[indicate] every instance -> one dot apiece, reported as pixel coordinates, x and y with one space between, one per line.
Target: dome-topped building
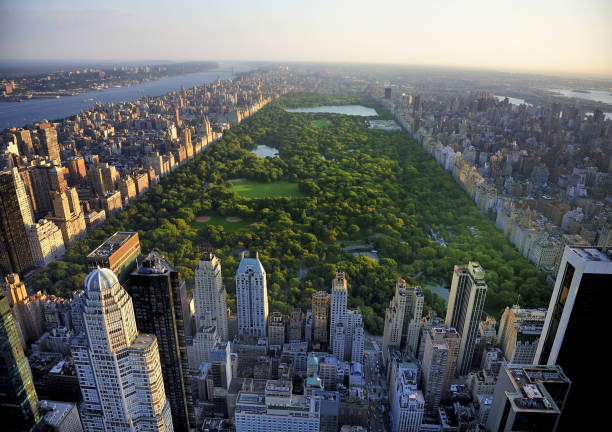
119 369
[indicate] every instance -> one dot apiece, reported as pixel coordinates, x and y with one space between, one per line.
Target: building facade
251 297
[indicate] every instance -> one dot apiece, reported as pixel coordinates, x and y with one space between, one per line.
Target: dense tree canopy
361 186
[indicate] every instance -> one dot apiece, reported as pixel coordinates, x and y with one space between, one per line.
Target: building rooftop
593 253
111 245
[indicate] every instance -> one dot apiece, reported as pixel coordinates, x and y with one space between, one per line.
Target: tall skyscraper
338 322
251 297
519 333
48 141
156 292
439 364
407 402
464 310
321 302
15 255
403 319
577 313
119 369
531 399
46 242
68 215
209 293
19 406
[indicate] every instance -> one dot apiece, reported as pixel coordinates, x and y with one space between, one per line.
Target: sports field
278 189
321 123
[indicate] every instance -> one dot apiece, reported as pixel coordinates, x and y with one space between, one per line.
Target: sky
568 36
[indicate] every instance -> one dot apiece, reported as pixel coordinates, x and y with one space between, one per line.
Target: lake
356 110
513 101
264 151
33 110
604 96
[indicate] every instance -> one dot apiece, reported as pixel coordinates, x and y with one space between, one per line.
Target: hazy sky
538 35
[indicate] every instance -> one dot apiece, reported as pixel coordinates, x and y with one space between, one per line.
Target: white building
251 297
119 369
61 416
209 294
346 326
46 242
408 404
277 410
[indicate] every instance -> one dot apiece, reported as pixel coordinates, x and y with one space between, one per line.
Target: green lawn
220 220
321 123
253 189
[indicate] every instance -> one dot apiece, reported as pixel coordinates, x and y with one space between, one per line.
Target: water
264 151
33 110
607 115
604 96
513 101
356 110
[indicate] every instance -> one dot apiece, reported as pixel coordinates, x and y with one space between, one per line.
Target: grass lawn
320 123
253 189
220 220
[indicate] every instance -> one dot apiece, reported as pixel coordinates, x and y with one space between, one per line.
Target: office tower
68 215
407 402
338 321
487 339
25 206
403 319
251 297
209 292
40 186
61 416
387 93
57 181
439 363
578 310
118 253
177 118
48 141
15 255
76 170
156 288
203 342
329 409
531 399
276 410
321 302
296 326
46 242
28 311
355 338
24 142
19 405
519 333
464 310
118 368
276 330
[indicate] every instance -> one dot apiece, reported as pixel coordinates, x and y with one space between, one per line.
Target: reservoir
356 110
21 113
604 96
513 101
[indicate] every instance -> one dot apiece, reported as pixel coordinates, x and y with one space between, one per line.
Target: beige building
519 333
46 242
68 215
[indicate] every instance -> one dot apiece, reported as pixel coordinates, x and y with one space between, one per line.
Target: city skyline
544 37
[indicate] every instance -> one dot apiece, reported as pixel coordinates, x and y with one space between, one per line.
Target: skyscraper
530 398
68 215
156 292
48 141
118 253
464 310
19 406
577 313
519 333
251 297
118 368
209 293
439 364
403 319
15 255
321 302
338 322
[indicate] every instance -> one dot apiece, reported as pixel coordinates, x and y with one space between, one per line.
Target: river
21 113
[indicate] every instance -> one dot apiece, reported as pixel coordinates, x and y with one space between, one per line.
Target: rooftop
593 253
111 244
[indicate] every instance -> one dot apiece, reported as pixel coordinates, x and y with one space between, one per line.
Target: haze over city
546 36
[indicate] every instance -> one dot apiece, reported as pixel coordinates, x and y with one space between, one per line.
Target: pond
356 110
263 151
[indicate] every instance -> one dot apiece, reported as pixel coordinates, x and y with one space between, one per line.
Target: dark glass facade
15 255
156 292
